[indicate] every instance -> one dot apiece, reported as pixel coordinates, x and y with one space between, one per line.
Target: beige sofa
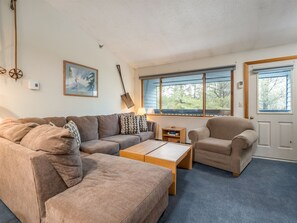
113 189
225 142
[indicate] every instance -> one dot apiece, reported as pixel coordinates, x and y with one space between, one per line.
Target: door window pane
274 91
182 95
218 93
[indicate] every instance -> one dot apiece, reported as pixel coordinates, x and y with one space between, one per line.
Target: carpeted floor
265 192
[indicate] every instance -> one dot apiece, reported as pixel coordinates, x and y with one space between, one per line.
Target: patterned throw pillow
143 123
72 127
129 125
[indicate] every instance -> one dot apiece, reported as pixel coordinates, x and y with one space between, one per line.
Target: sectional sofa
100 134
112 189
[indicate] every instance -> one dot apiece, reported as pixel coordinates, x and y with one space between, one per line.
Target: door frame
246 77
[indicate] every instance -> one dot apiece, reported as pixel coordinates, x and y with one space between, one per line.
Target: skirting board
267 158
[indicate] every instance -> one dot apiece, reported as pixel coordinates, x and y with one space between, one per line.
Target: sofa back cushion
87 126
109 125
57 121
62 151
227 127
40 121
15 131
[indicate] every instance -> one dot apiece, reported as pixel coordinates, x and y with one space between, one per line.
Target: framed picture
80 80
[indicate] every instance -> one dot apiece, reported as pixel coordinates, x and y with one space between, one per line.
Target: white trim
281 160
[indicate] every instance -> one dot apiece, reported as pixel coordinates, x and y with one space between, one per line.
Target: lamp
150 111
141 111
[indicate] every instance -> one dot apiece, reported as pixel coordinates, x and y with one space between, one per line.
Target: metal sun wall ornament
15 73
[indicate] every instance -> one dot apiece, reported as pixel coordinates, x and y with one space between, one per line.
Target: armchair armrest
245 139
197 134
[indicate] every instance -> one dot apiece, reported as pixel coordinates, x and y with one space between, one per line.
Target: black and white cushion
72 127
143 123
129 125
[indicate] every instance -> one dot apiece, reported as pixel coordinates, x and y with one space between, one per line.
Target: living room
160 46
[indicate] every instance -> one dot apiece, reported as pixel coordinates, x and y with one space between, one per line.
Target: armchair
227 143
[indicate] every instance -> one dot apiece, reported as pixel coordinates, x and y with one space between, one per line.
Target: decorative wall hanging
125 97
80 80
15 73
2 70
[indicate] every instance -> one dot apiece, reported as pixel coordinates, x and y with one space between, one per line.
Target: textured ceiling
153 32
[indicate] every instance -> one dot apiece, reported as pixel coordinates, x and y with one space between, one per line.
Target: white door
272 108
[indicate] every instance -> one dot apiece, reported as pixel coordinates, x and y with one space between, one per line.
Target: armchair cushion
215 145
245 139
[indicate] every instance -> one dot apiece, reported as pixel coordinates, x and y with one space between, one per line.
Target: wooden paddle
125 97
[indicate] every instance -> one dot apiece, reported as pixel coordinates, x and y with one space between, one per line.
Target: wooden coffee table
166 154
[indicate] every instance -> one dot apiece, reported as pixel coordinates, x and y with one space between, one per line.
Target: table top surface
160 149
170 151
145 147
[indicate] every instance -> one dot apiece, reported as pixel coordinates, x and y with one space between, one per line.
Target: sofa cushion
215 145
129 124
109 125
114 189
146 135
57 121
62 151
87 126
15 131
125 141
100 146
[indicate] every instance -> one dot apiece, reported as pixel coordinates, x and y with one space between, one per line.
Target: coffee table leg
172 188
187 161
168 164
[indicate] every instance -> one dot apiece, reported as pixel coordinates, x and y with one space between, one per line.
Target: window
274 90
182 95
218 93
197 93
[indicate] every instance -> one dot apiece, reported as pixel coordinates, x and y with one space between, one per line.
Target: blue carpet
6 216
265 192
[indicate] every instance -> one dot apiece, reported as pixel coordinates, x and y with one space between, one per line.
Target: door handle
251 117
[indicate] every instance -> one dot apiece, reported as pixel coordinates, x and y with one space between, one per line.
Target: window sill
190 116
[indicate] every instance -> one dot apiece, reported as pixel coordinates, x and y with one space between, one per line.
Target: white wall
237 58
46 38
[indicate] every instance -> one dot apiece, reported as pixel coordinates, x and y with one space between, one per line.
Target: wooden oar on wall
125 97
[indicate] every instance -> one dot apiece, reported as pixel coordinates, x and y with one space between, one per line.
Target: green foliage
272 93
190 96
218 95
182 96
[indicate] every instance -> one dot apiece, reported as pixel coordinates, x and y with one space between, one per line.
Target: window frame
203 95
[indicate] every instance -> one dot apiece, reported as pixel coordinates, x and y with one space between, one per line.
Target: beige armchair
227 143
